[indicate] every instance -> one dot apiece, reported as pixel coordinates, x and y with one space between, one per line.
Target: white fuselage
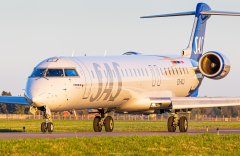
123 83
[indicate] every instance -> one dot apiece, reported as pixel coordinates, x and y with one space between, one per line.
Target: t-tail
202 13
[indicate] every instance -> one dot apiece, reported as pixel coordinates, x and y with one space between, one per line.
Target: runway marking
229 130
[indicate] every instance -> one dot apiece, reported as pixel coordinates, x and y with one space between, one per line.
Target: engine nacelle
214 65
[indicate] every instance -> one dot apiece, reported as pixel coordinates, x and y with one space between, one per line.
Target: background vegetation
12 109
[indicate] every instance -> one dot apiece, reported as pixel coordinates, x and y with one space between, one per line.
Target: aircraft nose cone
37 99
35 91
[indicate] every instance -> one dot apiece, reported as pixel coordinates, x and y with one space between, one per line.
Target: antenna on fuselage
105 53
73 53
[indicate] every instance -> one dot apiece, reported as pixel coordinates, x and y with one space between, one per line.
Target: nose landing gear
103 120
47 126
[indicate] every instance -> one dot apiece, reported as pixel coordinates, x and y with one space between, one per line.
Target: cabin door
153 74
87 83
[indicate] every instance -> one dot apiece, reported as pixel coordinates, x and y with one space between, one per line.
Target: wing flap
203 102
14 100
192 102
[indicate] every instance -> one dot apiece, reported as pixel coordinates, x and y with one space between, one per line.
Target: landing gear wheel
171 127
109 124
43 127
50 127
97 127
183 124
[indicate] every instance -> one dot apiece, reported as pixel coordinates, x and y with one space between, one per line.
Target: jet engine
214 65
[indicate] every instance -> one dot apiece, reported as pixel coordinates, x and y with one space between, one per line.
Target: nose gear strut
46 126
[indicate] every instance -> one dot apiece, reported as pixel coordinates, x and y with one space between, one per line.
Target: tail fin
202 13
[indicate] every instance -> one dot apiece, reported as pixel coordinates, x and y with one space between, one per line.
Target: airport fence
164 117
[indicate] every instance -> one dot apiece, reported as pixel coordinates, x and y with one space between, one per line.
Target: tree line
12 108
224 111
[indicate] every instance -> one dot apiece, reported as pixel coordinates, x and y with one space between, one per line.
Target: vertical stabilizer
198 32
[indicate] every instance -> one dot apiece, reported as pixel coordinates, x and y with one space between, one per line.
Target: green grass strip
205 144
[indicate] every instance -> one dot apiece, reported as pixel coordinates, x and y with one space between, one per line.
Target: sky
31 31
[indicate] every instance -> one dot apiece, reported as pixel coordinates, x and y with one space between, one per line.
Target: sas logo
198 45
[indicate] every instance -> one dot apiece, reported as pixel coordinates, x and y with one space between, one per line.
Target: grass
120 126
205 144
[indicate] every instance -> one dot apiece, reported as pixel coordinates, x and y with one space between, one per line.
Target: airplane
130 83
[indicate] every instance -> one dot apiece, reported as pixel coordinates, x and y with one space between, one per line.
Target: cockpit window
70 72
37 72
54 73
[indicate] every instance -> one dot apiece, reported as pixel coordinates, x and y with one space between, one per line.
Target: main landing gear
46 126
174 122
103 120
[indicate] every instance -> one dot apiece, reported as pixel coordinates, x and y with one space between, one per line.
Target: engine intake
214 65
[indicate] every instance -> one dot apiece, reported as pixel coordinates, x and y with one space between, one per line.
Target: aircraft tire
109 124
171 127
43 127
183 124
50 127
96 124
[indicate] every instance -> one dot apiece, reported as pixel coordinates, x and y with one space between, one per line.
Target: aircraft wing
194 102
14 100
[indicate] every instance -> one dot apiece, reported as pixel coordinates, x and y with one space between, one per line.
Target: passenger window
173 71
169 71
54 73
161 71
165 71
176 71
142 72
180 71
122 73
126 72
92 74
70 72
135 72
139 73
184 71
146 71
105 73
131 72
114 75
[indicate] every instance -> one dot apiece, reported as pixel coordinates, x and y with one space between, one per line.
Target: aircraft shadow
9 130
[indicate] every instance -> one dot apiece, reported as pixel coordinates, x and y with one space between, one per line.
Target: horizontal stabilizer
169 15
14 100
223 13
210 12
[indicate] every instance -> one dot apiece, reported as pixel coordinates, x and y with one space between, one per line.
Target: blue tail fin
202 14
198 32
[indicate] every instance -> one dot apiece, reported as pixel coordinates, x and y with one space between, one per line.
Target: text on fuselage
106 92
